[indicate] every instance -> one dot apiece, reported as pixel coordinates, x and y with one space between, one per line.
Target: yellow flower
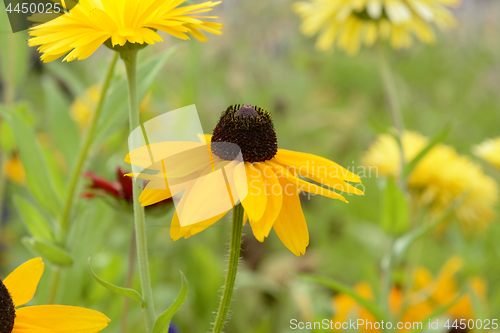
489 151
349 23
266 179
83 107
20 287
426 295
439 178
14 170
92 22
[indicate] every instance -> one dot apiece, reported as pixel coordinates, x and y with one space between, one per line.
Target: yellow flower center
251 129
7 310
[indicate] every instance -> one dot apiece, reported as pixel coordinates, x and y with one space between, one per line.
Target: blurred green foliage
327 104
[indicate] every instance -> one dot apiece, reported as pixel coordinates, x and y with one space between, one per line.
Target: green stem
232 268
394 105
64 222
130 59
54 284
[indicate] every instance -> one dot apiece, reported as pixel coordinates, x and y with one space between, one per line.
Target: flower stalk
394 105
64 221
129 57
232 268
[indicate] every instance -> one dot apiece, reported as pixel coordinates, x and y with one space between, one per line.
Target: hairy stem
232 269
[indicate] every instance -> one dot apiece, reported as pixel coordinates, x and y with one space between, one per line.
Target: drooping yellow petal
23 281
176 231
62 319
274 195
290 225
315 165
256 199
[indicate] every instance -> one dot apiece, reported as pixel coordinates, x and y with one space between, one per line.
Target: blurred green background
327 104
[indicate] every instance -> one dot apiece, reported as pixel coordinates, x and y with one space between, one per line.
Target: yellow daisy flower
350 23
489 151
439 178
268 179
92 22
426 295
20 287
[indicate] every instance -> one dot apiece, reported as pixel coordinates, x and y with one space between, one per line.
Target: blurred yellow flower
14 170
271 176
350 23
439 178
425 296
92 22
489 151
19 288
83 107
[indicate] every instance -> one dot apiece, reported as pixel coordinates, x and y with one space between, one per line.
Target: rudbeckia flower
19 288
426 295
266 180
440 177
350 23
90 23
489 151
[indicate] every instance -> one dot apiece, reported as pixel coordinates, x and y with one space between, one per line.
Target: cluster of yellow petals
426 295
439 178
351 23
92 22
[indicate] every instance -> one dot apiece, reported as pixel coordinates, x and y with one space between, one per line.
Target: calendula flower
266 179
489 151
14 170
440 177
19 288
425 295
79 32
351 23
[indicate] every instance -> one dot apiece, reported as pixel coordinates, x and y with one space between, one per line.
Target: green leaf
395 209
54 253
15 58
437 139
115 114
403 243
36 223
38 177
130 293
162 324
62 128
342 288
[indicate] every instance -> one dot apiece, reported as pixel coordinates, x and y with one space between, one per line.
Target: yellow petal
290 226
22 282
274 194
176 231
62 319
311 188
255 201
26 328
315 165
